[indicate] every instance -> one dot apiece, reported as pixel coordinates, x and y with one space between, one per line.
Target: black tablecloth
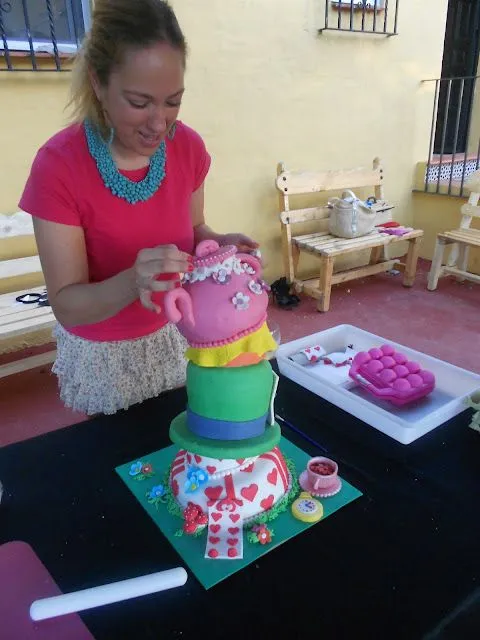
402 561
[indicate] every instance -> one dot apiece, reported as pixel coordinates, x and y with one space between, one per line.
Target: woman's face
143 97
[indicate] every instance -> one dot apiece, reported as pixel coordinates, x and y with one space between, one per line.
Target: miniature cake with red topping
229 471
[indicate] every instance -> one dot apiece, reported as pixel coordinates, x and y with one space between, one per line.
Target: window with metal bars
379 17
36 28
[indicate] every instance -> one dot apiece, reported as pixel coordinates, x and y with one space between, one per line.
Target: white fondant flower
228 264
201 273
248 269
265 285
255 287
237 267
241 301
221 276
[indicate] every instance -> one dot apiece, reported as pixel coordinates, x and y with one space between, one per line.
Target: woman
117 202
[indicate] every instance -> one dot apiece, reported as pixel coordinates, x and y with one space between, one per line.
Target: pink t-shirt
65 186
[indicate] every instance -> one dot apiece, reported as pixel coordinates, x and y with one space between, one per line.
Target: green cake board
192 548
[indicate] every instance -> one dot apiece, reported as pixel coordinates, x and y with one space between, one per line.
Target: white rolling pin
107 594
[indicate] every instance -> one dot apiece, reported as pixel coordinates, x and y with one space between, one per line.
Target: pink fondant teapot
223 299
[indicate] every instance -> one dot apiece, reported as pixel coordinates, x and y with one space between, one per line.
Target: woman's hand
151 263
242 242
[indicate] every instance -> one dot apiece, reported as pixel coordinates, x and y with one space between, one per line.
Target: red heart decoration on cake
189 458
211 470
307 350
233 530
216 516
249 492
213 493
232 541
213 553
175 488
198 459
241 460
272 476
232 552
249 469
266 503
317 348
234 517
214 539
214 528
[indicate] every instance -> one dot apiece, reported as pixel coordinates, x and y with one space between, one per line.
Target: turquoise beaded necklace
118 184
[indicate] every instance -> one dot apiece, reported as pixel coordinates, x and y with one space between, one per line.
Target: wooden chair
460 239
328 247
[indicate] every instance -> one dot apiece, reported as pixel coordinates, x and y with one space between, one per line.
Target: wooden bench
329 248
460 240
17 320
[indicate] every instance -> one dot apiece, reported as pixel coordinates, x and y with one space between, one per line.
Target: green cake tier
231 394
181 435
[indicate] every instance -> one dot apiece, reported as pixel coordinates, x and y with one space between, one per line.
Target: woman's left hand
242 242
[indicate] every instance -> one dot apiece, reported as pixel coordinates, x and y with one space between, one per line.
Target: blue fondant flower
241 301
158 491
196 477
141 470
135 468
156 495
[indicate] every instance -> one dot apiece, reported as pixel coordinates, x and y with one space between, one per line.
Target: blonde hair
117 27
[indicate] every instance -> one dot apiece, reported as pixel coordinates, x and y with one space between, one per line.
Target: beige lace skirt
105 377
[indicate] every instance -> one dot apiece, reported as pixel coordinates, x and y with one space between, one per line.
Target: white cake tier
214 467
247 487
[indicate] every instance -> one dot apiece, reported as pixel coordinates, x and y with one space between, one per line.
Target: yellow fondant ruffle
259 342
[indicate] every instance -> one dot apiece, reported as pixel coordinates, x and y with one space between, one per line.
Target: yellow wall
262 86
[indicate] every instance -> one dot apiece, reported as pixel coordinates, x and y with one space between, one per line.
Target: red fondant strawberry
202 519
191 512
194 518
189 527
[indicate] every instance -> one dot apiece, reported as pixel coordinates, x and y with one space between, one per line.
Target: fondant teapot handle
178 306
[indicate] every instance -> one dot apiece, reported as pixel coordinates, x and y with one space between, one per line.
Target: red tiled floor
444 324
29 406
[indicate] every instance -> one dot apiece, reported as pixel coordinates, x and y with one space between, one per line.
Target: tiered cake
229 469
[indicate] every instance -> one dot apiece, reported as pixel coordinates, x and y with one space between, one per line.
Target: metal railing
378 17
454 148
30 32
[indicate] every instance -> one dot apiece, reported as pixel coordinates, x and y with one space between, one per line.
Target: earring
111 136
171 133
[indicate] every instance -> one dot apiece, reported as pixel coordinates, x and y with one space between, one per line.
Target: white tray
404 424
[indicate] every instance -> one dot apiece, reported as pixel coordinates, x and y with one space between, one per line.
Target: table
401 562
